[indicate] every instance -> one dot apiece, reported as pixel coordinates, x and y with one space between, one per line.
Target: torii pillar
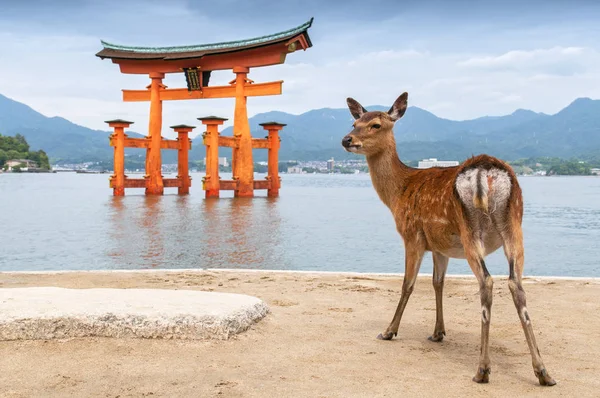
273 160
211 140
242 164
117 140
154 178
183 164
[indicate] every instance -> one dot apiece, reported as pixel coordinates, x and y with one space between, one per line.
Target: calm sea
70 221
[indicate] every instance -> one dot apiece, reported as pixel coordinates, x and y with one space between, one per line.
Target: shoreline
301 272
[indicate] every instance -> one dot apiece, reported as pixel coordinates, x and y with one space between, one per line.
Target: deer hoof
544 378
437 337
386 336
482 376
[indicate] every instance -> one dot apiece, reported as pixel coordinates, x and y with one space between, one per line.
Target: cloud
556 60
392 55
520 57
510 98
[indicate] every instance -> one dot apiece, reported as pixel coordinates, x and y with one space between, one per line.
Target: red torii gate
197 62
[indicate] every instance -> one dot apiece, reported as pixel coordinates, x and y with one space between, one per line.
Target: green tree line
17 148
557 166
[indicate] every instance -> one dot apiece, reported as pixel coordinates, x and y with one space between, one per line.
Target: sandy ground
319 341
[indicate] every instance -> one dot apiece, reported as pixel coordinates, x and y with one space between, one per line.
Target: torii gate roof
258 51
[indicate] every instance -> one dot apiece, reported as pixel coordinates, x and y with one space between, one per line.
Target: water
320 222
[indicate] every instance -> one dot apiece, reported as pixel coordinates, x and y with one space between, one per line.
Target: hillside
574 131
58 137
316 134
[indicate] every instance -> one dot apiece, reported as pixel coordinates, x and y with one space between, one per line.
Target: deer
466 211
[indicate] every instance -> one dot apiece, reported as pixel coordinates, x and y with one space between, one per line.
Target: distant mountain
574 131
60 138
316 134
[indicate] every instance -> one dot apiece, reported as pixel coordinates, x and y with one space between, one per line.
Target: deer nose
347 141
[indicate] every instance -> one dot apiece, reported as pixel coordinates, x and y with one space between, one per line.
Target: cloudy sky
458 59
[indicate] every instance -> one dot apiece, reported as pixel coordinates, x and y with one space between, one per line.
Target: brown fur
467 211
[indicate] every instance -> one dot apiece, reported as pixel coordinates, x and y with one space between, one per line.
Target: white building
294 170
595 171
222 162
433 162
23 164
330 164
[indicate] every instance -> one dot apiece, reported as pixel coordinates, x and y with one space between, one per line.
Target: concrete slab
55 313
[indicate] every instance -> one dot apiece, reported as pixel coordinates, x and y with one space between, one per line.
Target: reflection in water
244 250
180 229
210 240
117 231
137 231
174 232
240 232
152 227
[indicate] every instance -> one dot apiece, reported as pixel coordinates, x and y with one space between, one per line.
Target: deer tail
480 199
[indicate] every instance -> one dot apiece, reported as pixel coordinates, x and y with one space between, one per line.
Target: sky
459 59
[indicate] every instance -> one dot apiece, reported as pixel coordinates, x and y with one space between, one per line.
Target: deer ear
397 110
356 109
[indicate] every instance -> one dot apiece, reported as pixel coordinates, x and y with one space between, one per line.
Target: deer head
373 131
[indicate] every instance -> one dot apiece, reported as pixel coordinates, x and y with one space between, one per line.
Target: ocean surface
69 221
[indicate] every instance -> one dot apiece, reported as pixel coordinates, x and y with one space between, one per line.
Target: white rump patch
498 191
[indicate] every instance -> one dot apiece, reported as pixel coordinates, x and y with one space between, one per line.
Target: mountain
574 131
58 137
316 134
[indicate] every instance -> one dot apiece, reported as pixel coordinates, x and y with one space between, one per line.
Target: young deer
467 211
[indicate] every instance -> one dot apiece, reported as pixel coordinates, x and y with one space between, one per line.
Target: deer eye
376 126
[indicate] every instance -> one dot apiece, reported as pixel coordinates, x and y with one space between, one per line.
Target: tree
311 170
3 157
13 154
569 168
41 159
283 166
44 160
259 168
21 143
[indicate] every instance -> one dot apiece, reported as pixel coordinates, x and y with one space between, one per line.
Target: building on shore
23 164
595 171
433 162
294 170
330 164
222 162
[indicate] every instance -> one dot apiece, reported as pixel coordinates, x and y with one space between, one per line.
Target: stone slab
56 313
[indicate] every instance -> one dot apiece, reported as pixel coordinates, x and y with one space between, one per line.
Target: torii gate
197 62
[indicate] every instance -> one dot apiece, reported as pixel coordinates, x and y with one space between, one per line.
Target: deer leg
513 248
475 253
414 256
440 265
